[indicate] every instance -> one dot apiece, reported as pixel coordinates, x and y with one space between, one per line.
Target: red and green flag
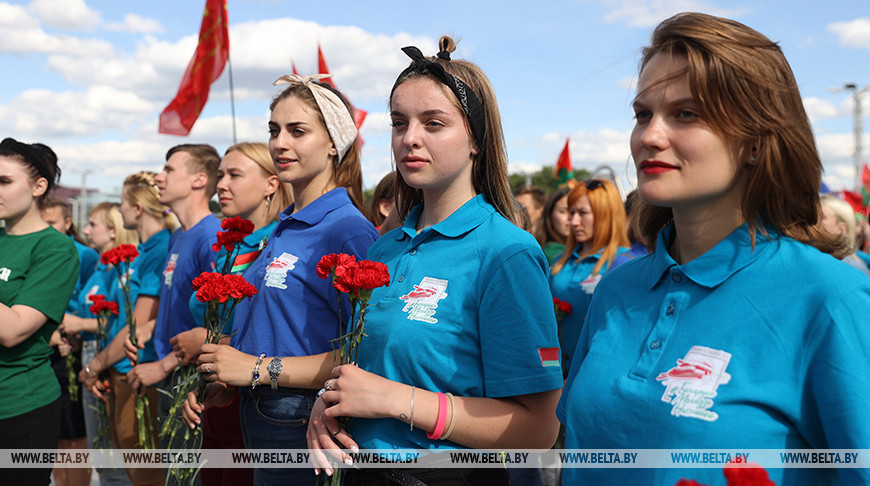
564 173
206 66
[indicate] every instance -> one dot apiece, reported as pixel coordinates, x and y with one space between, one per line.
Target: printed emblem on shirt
169 271
4 274
691 385
590 283
276 272
420 303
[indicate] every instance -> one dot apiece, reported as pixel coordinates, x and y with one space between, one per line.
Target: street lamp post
858 125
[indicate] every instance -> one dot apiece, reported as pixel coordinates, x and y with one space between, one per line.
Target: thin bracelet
446 433
255 373
413 389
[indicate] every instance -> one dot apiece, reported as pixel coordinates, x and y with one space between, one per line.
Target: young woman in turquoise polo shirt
739 331
461 347
596 237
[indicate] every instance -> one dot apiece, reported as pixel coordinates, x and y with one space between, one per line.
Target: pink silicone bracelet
442 418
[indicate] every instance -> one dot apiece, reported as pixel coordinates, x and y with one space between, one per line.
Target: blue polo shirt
190 254
102 281
249 250
145 279
295 312
88 259
468 311
741 348
575 284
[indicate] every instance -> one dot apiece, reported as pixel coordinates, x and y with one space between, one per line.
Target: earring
333 151
268 200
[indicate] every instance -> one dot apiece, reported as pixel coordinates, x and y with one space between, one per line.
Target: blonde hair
259 153
845 214
140 188
110 215
609 225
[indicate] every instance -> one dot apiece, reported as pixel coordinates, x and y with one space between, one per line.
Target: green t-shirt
552 250
38 270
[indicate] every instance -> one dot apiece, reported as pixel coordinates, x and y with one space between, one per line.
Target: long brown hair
747 92
489 172
609 225
347 172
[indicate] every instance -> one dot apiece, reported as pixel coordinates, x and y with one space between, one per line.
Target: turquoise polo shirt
190 254
88 259
146 275
295 312
575 284
248 251
741 348
468 311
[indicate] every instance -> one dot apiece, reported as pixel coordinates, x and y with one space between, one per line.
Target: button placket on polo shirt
647 363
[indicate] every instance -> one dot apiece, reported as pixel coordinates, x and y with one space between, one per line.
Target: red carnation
217 287
688 482
96 297
561 305
335 264
123 253
366 275
235 231
104 306
739 473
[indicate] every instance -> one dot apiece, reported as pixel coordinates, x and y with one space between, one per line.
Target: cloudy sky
90 77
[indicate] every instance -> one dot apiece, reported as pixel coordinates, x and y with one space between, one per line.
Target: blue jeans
277 420
108 477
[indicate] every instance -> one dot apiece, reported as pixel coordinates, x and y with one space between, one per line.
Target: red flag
855 200
293 63
563 172
206 66
359 116
322 68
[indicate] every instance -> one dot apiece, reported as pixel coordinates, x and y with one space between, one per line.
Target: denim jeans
108 476
277 420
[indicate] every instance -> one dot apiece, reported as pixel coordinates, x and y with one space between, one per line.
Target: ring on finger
328 384
207 368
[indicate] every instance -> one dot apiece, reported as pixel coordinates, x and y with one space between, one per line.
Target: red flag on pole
564 173
206 66
293 63
359 116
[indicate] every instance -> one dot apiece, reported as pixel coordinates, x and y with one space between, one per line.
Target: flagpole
232 96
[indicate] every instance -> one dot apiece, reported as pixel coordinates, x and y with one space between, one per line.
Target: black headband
31 154
471 104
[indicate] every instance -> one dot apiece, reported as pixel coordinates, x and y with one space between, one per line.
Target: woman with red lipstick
597 236
741 330
461 348
280 350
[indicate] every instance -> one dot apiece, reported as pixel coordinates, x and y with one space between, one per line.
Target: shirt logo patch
4 274
691 385
276 272
590 283
420 303
169 271
549 356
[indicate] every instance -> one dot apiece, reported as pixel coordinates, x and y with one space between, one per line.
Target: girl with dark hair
456 355
39 268
739 331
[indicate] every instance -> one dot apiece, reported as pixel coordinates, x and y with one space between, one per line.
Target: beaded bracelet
255 373
442 418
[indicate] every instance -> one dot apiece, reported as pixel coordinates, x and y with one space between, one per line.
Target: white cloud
648 13
819 109
65 14
22 34
44 114
136 24
854 33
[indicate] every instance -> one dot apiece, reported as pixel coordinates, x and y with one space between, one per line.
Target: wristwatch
275 367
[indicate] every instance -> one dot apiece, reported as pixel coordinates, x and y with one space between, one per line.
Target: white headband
339 123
